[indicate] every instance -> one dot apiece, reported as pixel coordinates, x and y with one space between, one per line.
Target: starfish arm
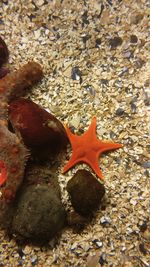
72 137
95 167
91 132
92 160
107 146
73 161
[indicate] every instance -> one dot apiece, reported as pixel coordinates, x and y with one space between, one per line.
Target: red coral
13 153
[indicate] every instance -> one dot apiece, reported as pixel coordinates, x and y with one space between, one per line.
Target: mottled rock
39 215
85 192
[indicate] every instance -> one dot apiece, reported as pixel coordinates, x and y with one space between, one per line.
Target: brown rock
86 192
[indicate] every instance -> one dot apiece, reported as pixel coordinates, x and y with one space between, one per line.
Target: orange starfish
87 148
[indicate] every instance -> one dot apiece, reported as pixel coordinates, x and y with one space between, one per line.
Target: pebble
146 164
98 243
105 220
102 259
133 39
98 42
123 71
90 89
120 112
34 259
76 74
127 54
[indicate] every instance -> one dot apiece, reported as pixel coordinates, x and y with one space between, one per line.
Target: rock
86 192
41 132
39 214
3 52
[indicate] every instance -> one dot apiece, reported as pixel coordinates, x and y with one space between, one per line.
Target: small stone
98 243
85 38
146 164
120 112
76 74
133 39
98 42
105 220
85 18
123 71
127 54
143 226
102 259
139 63
133 106
34 260
90 89
114 42
86 192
